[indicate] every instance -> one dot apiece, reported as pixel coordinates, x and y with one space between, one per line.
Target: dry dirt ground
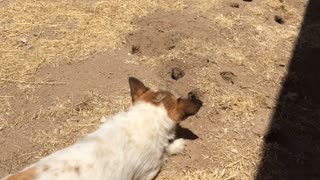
64 64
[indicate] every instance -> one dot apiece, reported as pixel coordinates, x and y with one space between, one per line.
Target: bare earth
60 75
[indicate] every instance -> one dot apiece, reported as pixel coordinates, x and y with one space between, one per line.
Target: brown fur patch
77 170
178 109
29 174
169 101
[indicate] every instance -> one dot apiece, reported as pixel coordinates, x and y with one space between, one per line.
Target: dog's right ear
137 88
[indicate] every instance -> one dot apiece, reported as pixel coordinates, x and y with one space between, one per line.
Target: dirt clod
177 73
83 106
234 5
171 47
228 76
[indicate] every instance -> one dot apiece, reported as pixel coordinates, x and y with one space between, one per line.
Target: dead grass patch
207 5
35 32
239 104
71 121
238 163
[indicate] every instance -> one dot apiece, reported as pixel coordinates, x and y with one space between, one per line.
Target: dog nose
193 96
197 102
194 99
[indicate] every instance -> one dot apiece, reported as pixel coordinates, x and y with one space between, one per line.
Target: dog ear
188 107
137 88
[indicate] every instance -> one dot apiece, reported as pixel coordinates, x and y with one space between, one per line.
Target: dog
129 145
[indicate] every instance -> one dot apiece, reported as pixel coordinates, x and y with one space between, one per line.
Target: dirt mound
161 32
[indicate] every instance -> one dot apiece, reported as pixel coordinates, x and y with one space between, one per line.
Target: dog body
129 145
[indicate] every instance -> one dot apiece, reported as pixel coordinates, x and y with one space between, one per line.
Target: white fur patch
176 147
128 145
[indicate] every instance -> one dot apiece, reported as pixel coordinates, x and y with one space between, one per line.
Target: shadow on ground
185 133
292 144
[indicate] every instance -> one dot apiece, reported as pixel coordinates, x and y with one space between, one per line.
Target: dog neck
154 116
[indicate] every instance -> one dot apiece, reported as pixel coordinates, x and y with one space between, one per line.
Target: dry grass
85 117
238 162
207 5
36 32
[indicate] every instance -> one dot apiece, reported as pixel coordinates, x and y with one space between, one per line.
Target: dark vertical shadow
292 144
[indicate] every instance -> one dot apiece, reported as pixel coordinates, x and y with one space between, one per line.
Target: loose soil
232 54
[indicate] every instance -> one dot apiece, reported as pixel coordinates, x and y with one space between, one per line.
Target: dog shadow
185 133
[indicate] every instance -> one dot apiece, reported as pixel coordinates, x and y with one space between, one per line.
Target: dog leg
176 147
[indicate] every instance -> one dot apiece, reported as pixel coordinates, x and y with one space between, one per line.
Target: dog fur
129 145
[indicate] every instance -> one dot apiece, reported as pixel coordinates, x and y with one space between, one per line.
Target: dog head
178 108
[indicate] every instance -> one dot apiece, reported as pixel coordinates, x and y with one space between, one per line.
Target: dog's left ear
137 88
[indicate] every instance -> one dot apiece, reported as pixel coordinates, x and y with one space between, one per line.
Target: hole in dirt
234 5
279 19
247 0
228 76
177 73
135 49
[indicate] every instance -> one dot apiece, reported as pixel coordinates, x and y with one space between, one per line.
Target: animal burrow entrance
177 73
279 19
135 49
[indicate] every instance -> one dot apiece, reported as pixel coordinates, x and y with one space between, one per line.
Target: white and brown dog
128 146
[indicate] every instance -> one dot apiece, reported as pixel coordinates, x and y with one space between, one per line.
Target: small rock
23 40
269 103
234 151
29 46
260 128
103 119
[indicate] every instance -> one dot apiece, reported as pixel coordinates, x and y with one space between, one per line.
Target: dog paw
176 147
